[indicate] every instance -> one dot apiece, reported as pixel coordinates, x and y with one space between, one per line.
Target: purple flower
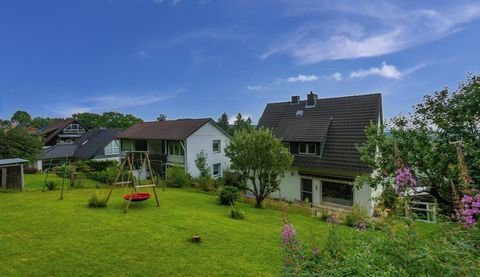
404 179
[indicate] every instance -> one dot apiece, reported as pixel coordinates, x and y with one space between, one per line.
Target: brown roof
169 129
338 122
52 130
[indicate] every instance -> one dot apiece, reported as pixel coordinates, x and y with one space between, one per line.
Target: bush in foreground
228 196
97 202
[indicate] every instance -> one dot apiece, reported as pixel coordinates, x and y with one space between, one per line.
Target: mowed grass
37 181
41 235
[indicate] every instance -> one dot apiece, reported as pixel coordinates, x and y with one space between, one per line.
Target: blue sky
200 58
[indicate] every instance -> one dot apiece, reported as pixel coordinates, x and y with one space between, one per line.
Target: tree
223 122
241 123
202 165
18 143
428 142
260 158
38 121
162 117
22 117
89 120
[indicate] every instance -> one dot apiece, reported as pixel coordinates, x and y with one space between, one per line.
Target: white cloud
337 76
385 70
233 117
302 78
257 88
367 29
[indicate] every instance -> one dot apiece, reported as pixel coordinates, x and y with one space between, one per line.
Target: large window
216 146
216 168
307 148
74 128
306 190
337 193
141 145
175 149
112 148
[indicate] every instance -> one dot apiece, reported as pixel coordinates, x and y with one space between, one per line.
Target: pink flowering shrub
470 212
291 245
404 179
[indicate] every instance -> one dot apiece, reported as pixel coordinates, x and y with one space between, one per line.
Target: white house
177 143
322 134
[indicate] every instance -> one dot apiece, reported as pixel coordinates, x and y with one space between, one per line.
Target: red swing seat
137 197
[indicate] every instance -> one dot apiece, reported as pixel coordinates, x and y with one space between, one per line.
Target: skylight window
299 113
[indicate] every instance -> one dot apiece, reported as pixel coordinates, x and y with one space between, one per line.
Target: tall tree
18 143
261 159
241 123
107 120
223 122
88 120
38 121
22 117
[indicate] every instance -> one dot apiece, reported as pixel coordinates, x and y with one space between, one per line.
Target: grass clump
96 202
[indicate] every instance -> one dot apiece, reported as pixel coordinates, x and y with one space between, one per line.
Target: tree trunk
259 201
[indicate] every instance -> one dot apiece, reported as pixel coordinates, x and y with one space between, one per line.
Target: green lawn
41 235
37 181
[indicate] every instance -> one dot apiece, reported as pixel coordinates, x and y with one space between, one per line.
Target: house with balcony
177 143
95 144
322 134
61 131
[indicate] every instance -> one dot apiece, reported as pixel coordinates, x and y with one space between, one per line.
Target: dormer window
307 148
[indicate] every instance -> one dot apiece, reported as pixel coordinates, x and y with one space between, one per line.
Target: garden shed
11 174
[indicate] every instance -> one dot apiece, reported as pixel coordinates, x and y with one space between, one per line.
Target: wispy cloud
110 102
337 76
302 78
257 88
386 70
367 30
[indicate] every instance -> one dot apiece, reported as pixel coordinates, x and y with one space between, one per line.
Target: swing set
135 168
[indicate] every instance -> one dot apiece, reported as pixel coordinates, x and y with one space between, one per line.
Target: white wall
203 139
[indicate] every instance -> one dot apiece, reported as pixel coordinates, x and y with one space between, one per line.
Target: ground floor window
306 190
216 169
337 193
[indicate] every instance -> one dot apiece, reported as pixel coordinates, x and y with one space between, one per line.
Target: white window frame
219 146
113 148
307 148
219 169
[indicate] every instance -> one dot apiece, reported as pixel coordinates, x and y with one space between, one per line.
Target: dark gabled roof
89 145
52 130
338 122
179 129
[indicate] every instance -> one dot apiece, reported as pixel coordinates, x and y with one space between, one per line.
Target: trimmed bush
228 196
176 177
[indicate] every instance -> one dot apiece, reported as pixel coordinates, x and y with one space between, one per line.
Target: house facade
322 134
177 143
61 131
96 144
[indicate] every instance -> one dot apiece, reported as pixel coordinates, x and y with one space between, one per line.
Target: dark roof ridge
335 97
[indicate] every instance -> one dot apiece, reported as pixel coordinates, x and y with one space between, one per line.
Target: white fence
424 211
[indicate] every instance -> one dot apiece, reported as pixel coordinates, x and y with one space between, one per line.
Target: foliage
177 177
223 122
357 216
63 171
438 141
241 124
97 202
232 178
22 117
51 185
107 120
18 143
106 176
397 250
206 183
235 213
39 122
94 165
162 117
228 196
260 158
29 170
202 165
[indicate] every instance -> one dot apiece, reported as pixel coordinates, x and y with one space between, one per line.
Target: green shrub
206 183
97 202
176 177
51 185
324 214
63 171
235 213
231 178
228 196
100 165
357 216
